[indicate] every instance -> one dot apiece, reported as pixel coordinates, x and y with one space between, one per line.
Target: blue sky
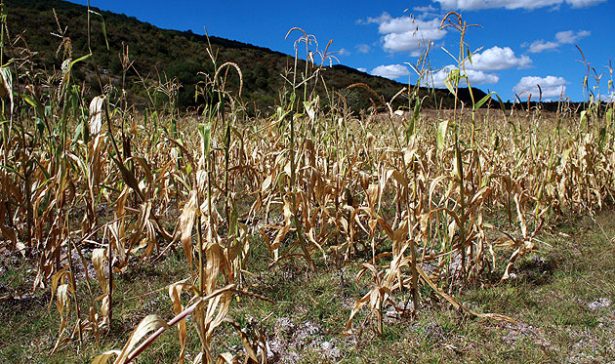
518 43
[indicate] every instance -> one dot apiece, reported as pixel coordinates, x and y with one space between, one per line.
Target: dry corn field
420 205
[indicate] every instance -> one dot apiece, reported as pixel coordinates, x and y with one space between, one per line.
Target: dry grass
91 189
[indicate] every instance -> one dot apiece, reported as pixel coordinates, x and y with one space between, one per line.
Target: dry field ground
310 234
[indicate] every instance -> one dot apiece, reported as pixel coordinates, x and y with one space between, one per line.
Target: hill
168 54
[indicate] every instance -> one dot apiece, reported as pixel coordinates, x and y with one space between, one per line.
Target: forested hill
170 54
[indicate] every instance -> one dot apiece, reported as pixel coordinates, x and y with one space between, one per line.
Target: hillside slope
160 54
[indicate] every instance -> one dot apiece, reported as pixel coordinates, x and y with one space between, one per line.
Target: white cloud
570 37
492 59
425 12
411 42
583 3
551 86
406 33
375 20
363 48
425 9
436 79
361 69
482 78
496 58
565 37
512 4
391 71
405 24
541 46
492 4
343 52
608 98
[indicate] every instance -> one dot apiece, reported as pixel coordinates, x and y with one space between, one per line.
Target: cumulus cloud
551 86
512 4
362 69
391 71
409 34
437 78
497 58
565 37
406 33
492 59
